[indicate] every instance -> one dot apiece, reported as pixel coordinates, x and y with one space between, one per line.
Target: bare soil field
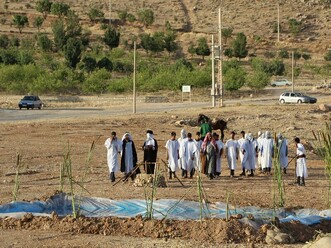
43 143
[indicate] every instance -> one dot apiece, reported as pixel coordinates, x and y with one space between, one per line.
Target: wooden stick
166 165
125 177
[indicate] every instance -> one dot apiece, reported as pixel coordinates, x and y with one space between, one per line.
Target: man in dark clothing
150 148
129 156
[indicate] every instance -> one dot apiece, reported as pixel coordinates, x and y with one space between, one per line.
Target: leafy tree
24 58
8 57
169 39
146 16
226 34
60 9
20 21
283 53
277 67
59 34
72 51
191 49
228 52
97 82
44 43
15 42
180 63
327 56
306 56
157 42
38 22
146 41
105 63
202 49
112 37
95 15
294 26
89 64
275 27
234 78
131 18
44 7
72 26
4 41
239 46
258 80
296 56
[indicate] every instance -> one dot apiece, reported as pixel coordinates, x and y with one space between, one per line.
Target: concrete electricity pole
134 78
213 100
220 73
292 71
278 22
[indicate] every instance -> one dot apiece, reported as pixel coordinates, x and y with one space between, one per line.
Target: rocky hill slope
195 18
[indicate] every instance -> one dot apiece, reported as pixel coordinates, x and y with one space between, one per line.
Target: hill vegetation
78 47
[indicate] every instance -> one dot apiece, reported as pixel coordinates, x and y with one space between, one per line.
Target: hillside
200 18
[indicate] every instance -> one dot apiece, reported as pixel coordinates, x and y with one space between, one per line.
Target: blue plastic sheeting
169 208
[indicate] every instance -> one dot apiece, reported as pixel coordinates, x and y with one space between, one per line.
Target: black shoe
284 170
298 181
112 177
250 175
170 175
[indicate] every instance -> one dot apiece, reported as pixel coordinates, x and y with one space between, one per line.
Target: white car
281 82
296 97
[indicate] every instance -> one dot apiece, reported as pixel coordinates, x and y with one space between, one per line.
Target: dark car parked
30 102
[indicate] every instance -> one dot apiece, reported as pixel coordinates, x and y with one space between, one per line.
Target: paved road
14 115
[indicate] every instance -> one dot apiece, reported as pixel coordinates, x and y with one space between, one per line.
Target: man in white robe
267 152
301 166
190 155
231 153
182 159
248 149
172 147
259 145
283 152
198 143
114 147
219 152
241 155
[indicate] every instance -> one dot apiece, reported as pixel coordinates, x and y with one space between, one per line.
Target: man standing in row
129 156
150 148
114 147
231 153
172 147
301 166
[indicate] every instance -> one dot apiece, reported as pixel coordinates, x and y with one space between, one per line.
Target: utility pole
278 21
109 12
213 72
292 71
134 78
220 73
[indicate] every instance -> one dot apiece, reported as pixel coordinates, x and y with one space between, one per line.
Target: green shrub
97 82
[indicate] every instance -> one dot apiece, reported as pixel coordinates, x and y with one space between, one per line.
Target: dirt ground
43 143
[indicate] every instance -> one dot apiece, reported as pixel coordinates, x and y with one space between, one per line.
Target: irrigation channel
61 204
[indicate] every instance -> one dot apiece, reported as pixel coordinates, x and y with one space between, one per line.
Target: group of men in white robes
186 154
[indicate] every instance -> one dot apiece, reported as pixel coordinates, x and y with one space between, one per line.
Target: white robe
267 152
283 146
172 149
219 145
190 157
197 160
240 143
259 147
182 160
113 148
247 148
128 157
301 169
232 146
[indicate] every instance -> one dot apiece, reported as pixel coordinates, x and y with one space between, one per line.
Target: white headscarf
149 140
259 133
267 135
183 134
130 136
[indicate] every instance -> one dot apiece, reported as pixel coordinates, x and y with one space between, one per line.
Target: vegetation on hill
72 59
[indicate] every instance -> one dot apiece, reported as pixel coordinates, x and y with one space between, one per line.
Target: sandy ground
43 143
